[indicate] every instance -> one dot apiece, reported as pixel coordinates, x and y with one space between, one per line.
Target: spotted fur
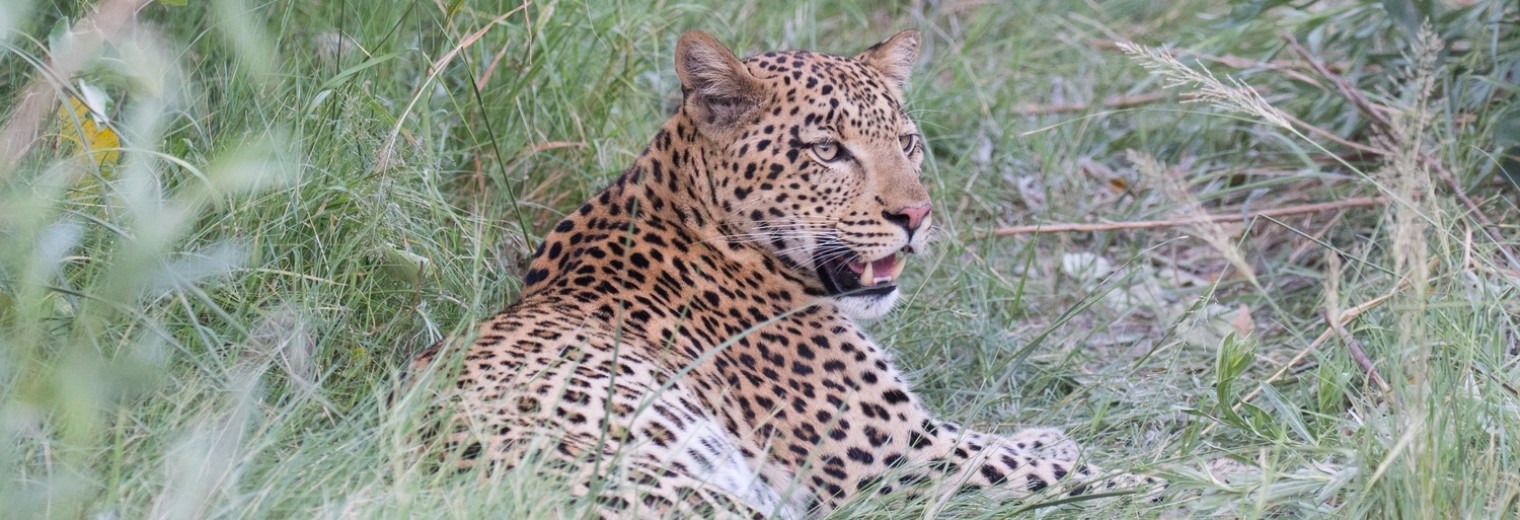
687 342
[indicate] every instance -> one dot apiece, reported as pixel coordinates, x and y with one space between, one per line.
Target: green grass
215 326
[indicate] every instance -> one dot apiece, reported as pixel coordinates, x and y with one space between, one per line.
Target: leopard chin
863 308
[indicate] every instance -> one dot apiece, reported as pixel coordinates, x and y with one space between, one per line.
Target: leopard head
812 157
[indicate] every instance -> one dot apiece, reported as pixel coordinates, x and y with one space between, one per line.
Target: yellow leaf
87 131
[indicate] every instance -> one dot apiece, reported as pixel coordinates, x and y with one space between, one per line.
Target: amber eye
909 143
828 151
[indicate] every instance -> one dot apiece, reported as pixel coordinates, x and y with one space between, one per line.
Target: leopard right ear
894 58
718 88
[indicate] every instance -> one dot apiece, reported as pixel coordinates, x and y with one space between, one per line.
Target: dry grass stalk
1202 226
1228 60
1229 94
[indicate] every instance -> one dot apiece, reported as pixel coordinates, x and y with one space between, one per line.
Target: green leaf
1507 143
1288 414
7 302
1242 11
325 91
99 102
1233 359
174 3
1409 14
1509 164
60 34
1507 127
403 266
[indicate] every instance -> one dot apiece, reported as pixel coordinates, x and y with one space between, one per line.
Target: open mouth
844 274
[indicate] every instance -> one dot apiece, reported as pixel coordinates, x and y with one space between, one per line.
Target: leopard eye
828 151
909 143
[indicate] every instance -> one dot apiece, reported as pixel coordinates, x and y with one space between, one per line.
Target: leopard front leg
847 424
1028 462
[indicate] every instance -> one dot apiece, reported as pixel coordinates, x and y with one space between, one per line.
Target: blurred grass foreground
225 226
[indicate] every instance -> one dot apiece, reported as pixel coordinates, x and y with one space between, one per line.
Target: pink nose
914 215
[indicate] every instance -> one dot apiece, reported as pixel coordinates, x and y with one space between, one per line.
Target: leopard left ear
719 89
893 58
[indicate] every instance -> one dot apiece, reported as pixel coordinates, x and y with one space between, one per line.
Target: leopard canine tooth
897 267
868 275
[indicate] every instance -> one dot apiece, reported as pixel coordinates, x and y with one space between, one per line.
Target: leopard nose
910 217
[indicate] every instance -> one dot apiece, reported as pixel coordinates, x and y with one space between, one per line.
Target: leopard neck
672 178
667 196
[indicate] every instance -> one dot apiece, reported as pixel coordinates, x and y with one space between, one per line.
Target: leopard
690 342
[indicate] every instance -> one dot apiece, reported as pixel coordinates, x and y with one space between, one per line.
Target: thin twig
1356 350
1228 217
1367 108
1332 137
1112 103
553 145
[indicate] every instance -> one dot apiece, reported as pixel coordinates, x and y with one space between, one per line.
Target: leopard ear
893 58
718 88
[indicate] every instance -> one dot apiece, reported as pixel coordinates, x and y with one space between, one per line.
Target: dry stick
1230 217
1356 350
1375 113
34 103
1367 108
1112 103
1332 137
552 145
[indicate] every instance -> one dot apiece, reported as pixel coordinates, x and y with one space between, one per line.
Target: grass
308 193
